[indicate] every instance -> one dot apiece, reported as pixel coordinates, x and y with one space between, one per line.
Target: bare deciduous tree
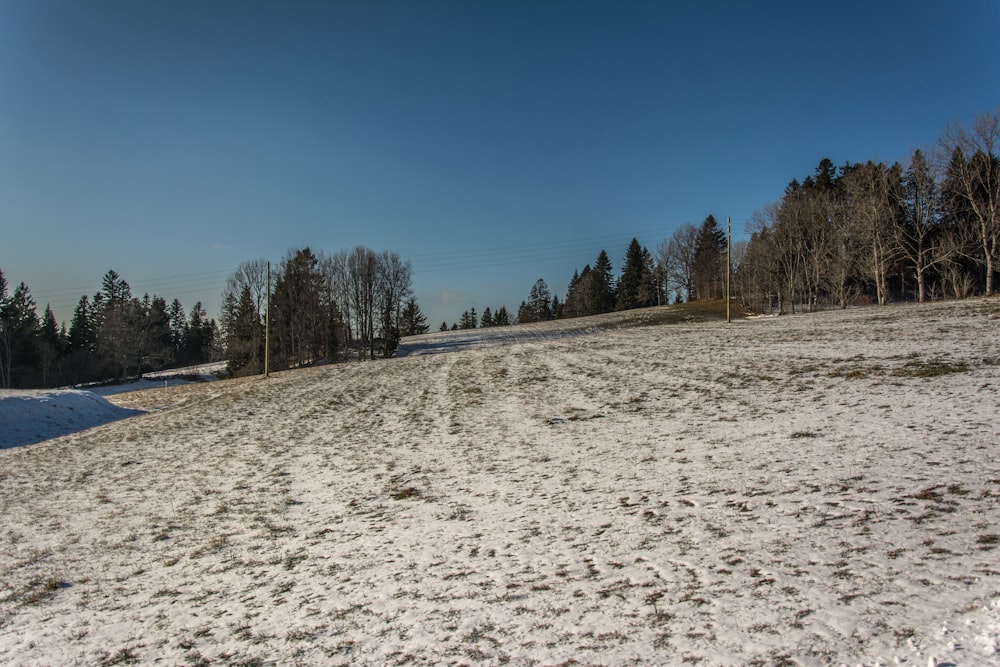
918 233
978 184
676 255
869 189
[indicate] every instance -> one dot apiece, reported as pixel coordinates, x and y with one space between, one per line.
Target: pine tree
602 296
51 348
487 319
633 285
115 290
501 319
524 314
244 336
157 347
649 293
556 309
443 327
18 337
298 318
539 306
81 333
708 260
578 294
178 331
412 321
200 335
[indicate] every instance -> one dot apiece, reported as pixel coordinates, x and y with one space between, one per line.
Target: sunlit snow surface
818 489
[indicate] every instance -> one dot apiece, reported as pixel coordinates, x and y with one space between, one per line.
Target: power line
519 254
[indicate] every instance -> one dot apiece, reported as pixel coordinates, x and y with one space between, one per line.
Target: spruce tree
156 344
649 287
412 321
51 346
602 296
539 305
81 334
634 279
557 307
501 319
178 330
464 321
524 314
18 338
244 336
709 261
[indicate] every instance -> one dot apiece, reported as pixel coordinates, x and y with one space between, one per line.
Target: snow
818 489
472 339
29 417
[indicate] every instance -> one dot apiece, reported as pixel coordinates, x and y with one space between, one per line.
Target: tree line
490 318
352 304
861 232
871 231
113 335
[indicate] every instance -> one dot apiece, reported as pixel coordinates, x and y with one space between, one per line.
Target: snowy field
818 489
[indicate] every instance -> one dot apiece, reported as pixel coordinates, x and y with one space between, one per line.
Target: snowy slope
27 417
817 489
31 416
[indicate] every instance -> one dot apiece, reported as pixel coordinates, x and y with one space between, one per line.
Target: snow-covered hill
28 417
31 416
817 489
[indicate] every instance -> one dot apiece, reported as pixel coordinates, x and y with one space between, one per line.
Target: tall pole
729 266
267 322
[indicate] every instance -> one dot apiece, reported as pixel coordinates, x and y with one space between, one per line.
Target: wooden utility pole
267 321
729 266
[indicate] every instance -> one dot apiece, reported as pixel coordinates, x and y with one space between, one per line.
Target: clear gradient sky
491 143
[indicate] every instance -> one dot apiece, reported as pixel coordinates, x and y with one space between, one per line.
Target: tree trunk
989 275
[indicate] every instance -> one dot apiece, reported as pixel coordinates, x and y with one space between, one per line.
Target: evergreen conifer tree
244 336
634 279
18 338
602 296
539 305
709 261
413 321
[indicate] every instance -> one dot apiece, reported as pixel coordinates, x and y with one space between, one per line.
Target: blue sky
491 143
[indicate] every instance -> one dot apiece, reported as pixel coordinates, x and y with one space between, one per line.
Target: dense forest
867 232
112 335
